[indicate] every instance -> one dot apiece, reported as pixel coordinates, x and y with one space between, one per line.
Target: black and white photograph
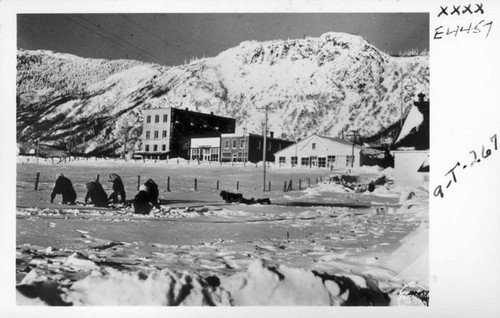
244 157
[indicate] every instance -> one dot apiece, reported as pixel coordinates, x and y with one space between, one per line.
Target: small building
236 148
167 132
322 152
411 147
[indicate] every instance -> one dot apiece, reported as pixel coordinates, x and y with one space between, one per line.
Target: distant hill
326 85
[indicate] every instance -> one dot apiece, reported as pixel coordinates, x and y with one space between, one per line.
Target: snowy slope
324 85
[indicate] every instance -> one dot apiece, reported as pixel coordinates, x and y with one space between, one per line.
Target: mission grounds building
411 147
236 148
320 151
167 132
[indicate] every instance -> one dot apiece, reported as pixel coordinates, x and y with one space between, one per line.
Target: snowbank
261 285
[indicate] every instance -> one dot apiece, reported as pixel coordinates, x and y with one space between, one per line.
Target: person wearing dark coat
64 187
230 197
118 189
152 192
142 204
96 194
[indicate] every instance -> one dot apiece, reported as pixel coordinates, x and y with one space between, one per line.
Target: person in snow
118 189
64 187
230 197
152 192
96 194
142 204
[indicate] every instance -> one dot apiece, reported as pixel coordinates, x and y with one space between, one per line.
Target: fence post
168 184
37 179
237 185
269 186
300 184
284 187
290 186
217 184
97 179
195 184
309 182
138 182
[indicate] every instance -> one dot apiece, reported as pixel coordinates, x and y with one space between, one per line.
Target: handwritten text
453 172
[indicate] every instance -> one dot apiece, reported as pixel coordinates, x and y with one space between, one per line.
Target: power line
101 35
154 35
121 39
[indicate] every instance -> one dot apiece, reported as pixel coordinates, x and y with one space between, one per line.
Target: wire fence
189 177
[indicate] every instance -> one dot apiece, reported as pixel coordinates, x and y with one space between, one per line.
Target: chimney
187 109
271 134
420 98
211 113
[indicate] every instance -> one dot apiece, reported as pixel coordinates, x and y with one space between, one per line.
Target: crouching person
118 189
64 187
153 193
146 198
96 194
141 201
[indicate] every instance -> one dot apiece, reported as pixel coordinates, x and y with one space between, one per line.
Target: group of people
144 201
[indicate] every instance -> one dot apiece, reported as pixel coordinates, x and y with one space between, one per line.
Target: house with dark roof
411 146
320 151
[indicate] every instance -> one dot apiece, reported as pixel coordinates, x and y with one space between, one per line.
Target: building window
163 147
282 160
304 161
155 147
195 154
147 147
157 118
148 134
321 162
214 154
148 119
268 145
242 143
165 118
313 146
331 160
235 143
164 134
294 161
279 146
226 144
156 134
259 144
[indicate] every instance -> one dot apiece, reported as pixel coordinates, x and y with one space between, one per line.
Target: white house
320 151
411 148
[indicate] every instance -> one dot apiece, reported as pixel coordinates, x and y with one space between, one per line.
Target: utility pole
353 134
245 143
37 150
264 148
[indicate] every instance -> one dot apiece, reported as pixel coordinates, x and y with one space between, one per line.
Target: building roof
235 135
338 140
425 166
414 133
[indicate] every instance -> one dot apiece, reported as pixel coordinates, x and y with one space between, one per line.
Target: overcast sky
172 39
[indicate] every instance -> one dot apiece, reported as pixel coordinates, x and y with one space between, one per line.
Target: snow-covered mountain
326 85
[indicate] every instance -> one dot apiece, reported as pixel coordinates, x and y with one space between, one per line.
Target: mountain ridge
325 85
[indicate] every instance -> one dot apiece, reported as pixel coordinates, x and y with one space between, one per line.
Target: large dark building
167 132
